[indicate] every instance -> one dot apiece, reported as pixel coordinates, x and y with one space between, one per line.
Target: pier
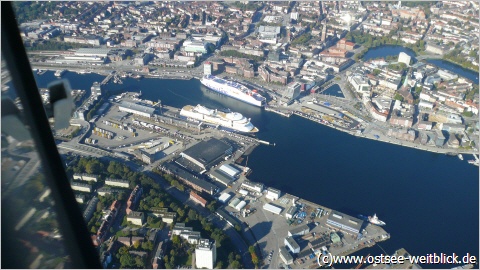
107 79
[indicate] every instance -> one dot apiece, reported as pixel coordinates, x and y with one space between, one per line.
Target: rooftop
208 151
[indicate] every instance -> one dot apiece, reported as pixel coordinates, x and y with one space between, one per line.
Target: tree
93 167
235 265
148 246
99 206
127 261
176 240
139 262
192 215
136 244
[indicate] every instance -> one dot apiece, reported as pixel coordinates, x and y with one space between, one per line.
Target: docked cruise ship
233 90
230 121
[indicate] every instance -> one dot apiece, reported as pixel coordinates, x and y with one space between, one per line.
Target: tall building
205 254
207 68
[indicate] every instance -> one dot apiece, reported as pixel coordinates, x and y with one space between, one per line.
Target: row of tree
233 53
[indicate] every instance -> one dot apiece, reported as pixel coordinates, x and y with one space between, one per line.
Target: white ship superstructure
233 90
375 220
59 73
232 121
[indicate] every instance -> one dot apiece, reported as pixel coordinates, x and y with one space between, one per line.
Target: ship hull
226 93
235 122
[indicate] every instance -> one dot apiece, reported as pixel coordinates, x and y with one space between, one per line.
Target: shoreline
288 113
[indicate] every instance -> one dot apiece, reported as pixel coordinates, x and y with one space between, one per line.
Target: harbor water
429 201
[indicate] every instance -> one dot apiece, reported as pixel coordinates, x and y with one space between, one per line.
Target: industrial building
137 109
224 197
198 199
234 202
291 212
292 244
257 187
285 256
299 230
225 174
344 222
205 254
194 181
240 205
273 194
272 208
207 153
225 216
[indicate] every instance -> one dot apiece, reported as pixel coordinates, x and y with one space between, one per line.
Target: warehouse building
292 245
137 109
285 256
291 212
221 177
224 197
194 181
344 222
257 187
273 194
225 216
207 153
272 208
299 231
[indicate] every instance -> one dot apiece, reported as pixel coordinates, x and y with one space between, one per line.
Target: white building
205 254
272 208
425 104
224 197
273 194
117 183
404 58
229 170
292 244
240 205
81 187
207 68
257 187
136 218
359 83
194 46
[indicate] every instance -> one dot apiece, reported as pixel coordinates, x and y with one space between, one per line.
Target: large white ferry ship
233 90
231 121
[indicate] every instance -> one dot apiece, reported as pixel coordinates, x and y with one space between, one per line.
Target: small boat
460 156
59 73
374 220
